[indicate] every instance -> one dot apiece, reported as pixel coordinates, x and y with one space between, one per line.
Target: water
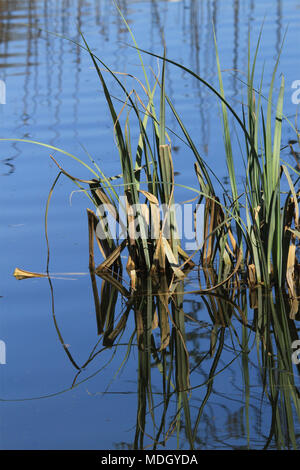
53 95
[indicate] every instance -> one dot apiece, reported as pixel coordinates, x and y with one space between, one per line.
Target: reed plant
255 230
249 237
261 222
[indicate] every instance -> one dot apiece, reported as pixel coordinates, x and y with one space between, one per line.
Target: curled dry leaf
21 274
151 198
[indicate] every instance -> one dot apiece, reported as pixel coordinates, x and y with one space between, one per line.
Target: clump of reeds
259 228
255 231
150 250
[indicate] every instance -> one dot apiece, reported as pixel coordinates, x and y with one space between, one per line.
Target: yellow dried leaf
151 198
21 274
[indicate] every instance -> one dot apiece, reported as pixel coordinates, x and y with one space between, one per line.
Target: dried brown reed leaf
112 258
252 275
155 219
171 258
253 298
110 338
186 258
155 321
112 280
294 304
151 198
21 274
290 269
91 220
237 266
159 258
103 243
210 223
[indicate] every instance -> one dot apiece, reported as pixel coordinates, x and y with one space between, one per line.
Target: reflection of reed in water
170 340
207 378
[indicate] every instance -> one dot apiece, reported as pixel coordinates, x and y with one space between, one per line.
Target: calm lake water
53 95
